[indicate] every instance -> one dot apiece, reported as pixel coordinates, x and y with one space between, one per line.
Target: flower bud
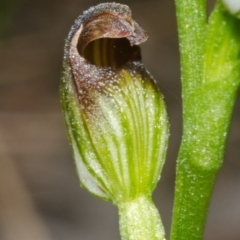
114 112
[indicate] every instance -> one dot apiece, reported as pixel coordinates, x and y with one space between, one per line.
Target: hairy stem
209 93
139 219
192 24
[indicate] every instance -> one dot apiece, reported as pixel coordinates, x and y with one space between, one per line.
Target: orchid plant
117 120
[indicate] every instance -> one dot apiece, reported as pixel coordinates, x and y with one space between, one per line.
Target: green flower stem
139 219
208 102
192 24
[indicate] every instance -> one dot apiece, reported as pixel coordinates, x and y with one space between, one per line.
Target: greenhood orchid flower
115 115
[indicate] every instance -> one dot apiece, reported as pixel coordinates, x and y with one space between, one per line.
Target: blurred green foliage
8 9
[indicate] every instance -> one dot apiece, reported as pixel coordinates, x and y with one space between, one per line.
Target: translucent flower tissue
114 112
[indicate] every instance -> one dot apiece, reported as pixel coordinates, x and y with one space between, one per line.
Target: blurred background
40 197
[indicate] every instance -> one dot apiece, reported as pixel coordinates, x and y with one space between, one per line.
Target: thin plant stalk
210 82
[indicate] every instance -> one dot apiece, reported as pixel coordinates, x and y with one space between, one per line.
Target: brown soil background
40 197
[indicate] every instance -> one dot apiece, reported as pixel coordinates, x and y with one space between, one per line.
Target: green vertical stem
140 220
210 82
192 24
